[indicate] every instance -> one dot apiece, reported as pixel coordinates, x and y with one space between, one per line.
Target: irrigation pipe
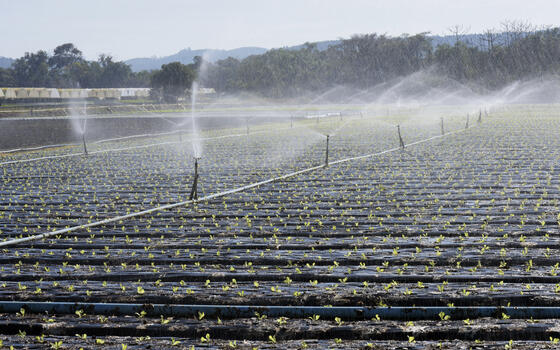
130 137
95 152
126 148
38 148
263 277
209 197
247 311
93 142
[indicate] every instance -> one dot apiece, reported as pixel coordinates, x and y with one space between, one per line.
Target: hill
6 62
186 56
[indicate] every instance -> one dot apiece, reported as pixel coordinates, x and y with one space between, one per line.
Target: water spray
401 143
194 188
442 130
247 125
327 153
479 116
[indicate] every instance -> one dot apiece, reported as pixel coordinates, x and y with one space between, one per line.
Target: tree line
67 68
362 61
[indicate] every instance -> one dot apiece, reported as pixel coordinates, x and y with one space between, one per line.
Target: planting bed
458 222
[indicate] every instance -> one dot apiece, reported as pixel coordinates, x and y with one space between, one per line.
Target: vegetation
465 220
361 62
171 82
67 68
364 61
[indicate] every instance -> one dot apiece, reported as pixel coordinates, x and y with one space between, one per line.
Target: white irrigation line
138 136
131 147
140 146
93 142
128 148
212 196
38 148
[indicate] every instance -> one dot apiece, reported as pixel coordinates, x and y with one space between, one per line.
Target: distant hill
6 62
186 56
321 45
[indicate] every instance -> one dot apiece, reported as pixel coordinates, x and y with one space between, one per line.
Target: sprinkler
84 141
247 125
467 124
84 137
401 143
479 116
442 131
291 121
327 153
194 188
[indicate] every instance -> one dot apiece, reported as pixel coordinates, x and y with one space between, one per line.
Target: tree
32 69
172 81
65 55
6 78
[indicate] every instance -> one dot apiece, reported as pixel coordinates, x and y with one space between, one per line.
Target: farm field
451 242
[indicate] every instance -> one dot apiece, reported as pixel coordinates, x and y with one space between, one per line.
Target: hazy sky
141 28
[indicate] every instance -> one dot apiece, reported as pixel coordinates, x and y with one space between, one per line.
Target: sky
146 28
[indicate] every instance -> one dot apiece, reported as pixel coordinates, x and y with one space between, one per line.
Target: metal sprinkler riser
401 142
327 152
194 189
84 142
84 136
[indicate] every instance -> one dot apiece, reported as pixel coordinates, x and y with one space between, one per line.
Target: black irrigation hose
134 276
242 311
